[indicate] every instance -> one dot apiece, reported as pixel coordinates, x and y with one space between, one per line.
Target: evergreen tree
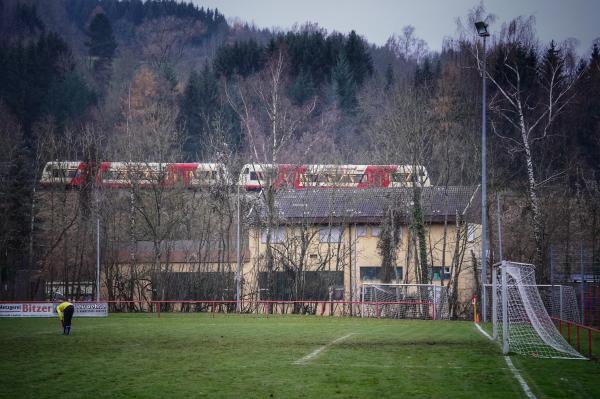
26 74
302 88
424 74
358 58
585 119
199 106
102 43
241 58
552 67
390 79
344 85
28 20
68 99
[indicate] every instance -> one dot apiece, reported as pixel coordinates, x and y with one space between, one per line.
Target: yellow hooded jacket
61 308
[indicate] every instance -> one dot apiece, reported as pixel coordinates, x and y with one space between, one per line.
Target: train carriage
142 174
253 177
256 176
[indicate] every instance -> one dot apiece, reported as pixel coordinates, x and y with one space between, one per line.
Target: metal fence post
561 301
362 300
494 302
552 307
434 303
505 347
582 283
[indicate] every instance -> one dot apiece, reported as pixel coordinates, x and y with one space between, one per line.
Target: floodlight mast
482 31
238 274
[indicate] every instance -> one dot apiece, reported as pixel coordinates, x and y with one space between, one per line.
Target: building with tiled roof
331 241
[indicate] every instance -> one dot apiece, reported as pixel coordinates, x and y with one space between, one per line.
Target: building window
470 232
375 231
330 234
440 272
277 235
317 285
369 273
361 231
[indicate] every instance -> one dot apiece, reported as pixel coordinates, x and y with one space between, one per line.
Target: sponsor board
48 309
95 309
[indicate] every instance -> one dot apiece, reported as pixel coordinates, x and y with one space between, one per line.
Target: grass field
232 356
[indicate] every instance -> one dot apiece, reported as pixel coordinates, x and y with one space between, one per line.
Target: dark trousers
68 316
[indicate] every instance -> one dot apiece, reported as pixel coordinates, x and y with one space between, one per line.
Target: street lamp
238 273
482 31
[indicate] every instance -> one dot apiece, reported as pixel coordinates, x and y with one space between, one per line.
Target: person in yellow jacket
65 314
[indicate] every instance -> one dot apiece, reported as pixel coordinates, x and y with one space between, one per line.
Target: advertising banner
92 309
48 309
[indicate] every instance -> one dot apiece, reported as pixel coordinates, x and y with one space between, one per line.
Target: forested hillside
164 81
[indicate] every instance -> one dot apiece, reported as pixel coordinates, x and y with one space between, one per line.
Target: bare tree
525 105
165 39
269 122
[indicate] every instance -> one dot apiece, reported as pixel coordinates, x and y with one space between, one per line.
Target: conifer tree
358 58
344 85
199 105
102 44
390 79
302 88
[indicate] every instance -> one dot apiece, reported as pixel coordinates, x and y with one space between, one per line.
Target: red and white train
123 174
256 176
253 177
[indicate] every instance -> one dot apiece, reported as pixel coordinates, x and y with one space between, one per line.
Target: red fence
426 309
571 328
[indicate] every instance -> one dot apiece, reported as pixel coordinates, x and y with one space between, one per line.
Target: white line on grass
512 368
483 332
519 378
402 366
316 352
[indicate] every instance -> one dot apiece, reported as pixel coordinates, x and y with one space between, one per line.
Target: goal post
404 301
519 315
560 300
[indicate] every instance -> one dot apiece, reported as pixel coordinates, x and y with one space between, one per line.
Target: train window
71 173
206 175
115 175
346 179
400 177
58 173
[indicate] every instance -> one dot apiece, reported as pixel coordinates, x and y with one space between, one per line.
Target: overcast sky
433 20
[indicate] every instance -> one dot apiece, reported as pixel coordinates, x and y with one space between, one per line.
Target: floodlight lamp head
481 28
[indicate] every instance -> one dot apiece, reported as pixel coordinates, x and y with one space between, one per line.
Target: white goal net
404 301
517 307
559 300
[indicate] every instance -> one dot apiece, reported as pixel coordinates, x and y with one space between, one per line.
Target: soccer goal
519 315
404 301
559 300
